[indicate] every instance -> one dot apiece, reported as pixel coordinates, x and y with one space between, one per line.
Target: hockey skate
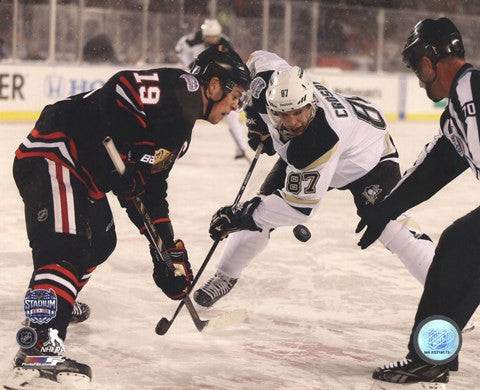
80 312
239 154
469 327
36 370
214 289
409 372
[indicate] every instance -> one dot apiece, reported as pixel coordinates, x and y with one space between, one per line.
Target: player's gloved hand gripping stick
153 235
164 324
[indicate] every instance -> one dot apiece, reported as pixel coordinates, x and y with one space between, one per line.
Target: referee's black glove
374 218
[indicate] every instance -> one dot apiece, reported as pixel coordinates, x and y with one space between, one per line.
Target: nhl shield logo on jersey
371 193
192 82
40 305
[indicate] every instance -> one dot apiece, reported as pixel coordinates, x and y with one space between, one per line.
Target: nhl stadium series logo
40 305
437 340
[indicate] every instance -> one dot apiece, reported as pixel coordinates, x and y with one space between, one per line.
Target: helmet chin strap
211 102
428 85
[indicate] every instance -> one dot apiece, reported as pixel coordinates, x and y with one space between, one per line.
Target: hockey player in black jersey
435 52
63 172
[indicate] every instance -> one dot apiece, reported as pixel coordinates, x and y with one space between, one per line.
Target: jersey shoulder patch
258 88
257 85
192 82
315 146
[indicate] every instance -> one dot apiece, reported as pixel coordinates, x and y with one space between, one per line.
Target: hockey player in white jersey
189 47
324 140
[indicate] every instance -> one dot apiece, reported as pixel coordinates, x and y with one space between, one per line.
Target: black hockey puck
302 233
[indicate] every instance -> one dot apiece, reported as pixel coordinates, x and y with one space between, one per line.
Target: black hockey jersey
149 114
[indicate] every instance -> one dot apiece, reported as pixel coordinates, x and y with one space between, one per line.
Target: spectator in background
99 49
188 47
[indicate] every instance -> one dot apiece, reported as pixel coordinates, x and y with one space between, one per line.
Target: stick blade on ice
162 326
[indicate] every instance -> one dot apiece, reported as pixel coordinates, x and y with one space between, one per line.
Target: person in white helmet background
189 47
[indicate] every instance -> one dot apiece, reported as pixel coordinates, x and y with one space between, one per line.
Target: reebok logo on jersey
457 144
42 215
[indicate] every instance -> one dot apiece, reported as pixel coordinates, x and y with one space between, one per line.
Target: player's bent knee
102 249
61 247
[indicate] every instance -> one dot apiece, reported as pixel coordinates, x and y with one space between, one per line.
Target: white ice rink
320 315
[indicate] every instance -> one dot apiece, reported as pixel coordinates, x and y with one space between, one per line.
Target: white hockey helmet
211 28
288 90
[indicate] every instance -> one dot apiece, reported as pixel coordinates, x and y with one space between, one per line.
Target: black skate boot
214 289
412 371
80 312
453 365
34 369
239 154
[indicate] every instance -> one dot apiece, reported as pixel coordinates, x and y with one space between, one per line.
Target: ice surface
320 315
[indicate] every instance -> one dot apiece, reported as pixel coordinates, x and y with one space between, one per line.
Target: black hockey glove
231 219
129 185
138 167
175 284
254 139
375 218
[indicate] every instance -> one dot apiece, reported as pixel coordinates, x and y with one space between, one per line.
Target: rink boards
25 88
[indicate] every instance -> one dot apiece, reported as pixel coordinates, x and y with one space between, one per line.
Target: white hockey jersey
344 141
190 46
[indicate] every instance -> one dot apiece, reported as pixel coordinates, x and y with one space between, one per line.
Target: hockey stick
155 238
164 324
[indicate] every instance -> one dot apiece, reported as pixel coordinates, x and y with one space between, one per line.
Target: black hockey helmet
223 62
435 39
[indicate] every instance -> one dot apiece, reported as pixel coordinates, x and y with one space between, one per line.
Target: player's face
427 78
212 39
226 105
296 121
